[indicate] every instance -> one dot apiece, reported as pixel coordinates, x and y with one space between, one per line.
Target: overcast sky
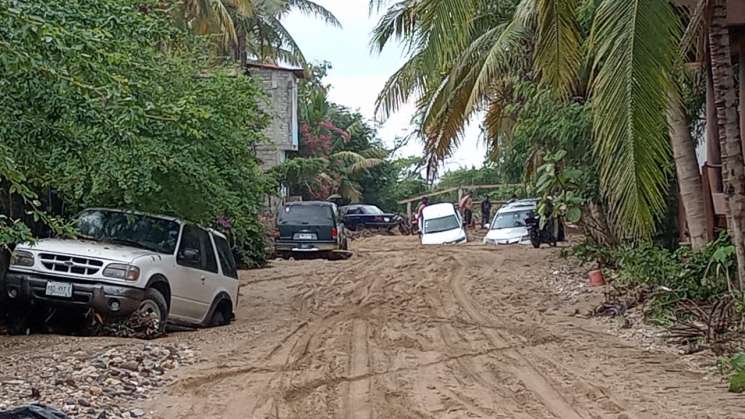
358 75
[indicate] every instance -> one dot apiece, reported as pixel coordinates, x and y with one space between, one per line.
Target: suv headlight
122 271
22 258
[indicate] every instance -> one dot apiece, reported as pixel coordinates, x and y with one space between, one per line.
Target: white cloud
358 75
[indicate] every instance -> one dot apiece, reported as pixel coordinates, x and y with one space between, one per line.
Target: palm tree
629 54
206 16
261 34
251 27
687 170
733 164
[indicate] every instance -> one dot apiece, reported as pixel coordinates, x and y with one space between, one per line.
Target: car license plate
59 289
305 236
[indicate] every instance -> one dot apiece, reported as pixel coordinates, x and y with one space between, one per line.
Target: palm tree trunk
243 59
689 177
713 154
725 92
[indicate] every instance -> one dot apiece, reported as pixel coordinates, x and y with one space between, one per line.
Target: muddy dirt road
401 331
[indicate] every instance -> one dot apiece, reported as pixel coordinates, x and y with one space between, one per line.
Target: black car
309 227
360 216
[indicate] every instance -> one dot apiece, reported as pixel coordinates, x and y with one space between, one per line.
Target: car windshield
510 219
437 225
371 209
151 233
306 215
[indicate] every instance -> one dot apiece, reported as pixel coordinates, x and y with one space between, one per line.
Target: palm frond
693 35
504 51
348 156
396 23
364 165
635 43
295 56
451 106
447 26
408 80
350 190
205 15
558 53
314 9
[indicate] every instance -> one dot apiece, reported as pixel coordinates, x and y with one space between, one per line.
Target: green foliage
107 103
635 46
560 189
618 56
338 149
670 275
736 370
393 181
485 175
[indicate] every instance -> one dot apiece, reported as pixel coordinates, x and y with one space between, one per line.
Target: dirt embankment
402 331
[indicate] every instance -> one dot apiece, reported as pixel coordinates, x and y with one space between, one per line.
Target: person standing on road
422 204
485 211
466 208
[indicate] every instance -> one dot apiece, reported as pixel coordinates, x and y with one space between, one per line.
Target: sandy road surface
401 331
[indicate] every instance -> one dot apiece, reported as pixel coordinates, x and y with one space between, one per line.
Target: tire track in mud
280 390
520 366
589 399
454 342
261 382
357 404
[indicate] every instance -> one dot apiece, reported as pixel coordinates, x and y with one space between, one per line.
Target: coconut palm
206 16
624 62
251 27
262 36
733 164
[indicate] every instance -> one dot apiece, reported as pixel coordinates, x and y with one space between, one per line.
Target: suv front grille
70 264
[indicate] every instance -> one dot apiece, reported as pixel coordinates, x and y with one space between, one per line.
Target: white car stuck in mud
508 225
125 262
441 224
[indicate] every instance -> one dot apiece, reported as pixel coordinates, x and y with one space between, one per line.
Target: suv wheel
18 322
221 316
154 306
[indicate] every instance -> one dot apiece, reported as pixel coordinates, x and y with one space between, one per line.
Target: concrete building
281 87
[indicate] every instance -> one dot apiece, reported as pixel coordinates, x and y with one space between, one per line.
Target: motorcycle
540 235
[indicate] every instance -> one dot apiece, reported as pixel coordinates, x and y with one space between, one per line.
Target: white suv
124 262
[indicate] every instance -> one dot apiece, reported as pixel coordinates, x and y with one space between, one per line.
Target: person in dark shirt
485 211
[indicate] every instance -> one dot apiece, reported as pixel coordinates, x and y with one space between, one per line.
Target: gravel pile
104 383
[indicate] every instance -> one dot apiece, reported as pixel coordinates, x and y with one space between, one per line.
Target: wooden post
408 211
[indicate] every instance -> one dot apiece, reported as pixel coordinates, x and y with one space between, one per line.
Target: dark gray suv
312 227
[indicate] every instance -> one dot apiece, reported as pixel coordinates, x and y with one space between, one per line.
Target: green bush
670 276
108 103
737 373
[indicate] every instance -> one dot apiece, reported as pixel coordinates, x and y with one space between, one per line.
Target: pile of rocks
105 383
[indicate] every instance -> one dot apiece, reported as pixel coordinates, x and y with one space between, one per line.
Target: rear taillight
334 233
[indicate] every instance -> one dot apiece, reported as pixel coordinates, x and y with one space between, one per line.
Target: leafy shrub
671 276
108 103
737 373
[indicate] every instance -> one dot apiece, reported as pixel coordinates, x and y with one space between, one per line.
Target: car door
229 279
196 272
